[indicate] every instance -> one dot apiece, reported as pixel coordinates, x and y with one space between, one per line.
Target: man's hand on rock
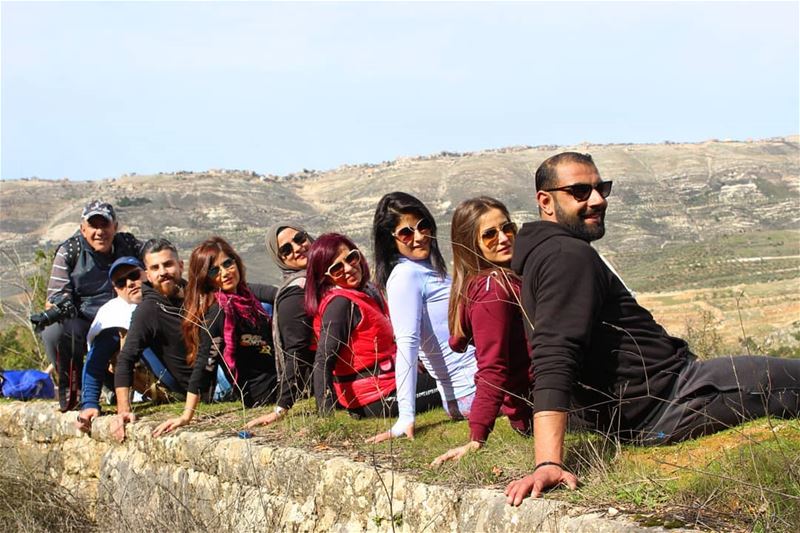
535 484
118 425
85 417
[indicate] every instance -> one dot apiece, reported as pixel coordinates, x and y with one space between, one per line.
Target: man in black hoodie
599 358
156 324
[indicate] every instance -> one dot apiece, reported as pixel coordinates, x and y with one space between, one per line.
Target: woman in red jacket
485 311
354 362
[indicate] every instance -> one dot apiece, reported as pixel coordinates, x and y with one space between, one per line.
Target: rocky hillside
667 197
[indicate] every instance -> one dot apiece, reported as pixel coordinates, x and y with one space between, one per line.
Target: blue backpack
27 384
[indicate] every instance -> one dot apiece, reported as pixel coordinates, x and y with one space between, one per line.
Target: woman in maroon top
485 311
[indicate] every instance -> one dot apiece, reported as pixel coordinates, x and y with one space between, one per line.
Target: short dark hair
387 215
547 173
159 244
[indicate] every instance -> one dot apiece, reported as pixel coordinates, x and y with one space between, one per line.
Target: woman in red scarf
225 325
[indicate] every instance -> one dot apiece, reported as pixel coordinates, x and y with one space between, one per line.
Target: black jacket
83 272
254 353
156 324
295 339
594 347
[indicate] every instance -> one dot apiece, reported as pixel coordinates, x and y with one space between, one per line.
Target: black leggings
427 398
720 393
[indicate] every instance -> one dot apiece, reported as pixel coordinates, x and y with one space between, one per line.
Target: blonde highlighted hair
468 259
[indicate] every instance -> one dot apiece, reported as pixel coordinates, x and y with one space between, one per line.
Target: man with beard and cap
155 324
292 331
80 275
600 360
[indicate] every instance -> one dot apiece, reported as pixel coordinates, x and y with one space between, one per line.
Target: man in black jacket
600 358
155 324
80 275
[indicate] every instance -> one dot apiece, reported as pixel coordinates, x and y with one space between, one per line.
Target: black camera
62 309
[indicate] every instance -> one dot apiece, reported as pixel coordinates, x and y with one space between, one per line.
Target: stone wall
195 480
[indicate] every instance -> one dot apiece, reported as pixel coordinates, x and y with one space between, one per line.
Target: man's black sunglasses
299 238
122 281
582 191
213 272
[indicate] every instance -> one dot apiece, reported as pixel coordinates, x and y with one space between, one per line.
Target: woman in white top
410 267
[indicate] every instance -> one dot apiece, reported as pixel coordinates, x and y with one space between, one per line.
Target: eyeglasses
286 249
336 270
133 275
582 191
213 272
490 236
406 233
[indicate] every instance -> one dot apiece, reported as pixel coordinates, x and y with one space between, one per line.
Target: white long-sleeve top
418 298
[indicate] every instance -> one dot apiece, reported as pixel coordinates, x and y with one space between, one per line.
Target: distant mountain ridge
664 194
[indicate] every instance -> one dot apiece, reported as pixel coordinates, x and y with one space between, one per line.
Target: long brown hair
468 260
200 291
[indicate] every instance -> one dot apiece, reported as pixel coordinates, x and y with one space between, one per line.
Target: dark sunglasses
133 275
336 270
490 236
213 272
299 238
406 233
582 191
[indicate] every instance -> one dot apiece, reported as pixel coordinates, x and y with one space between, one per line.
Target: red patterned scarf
241 305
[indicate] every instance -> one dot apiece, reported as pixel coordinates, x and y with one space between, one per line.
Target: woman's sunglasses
213 272
133 275
582 191
406 233
336 270
299 239
490 236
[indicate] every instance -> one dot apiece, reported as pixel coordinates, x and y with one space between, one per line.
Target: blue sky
93 90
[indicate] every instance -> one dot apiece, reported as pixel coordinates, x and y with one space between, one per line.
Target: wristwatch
279 410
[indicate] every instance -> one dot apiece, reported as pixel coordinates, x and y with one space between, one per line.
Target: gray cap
97 207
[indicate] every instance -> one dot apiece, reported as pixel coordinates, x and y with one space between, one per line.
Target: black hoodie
594 348
155 324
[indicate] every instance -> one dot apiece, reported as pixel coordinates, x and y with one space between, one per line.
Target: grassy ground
746 478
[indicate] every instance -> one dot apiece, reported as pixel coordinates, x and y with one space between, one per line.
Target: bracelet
549 463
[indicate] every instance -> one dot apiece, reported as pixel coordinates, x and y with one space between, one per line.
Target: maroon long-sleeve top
492 321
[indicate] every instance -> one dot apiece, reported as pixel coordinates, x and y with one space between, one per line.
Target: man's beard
577 225
166 289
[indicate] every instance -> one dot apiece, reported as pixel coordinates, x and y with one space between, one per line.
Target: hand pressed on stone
85 417
537 483
118 425
170 425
